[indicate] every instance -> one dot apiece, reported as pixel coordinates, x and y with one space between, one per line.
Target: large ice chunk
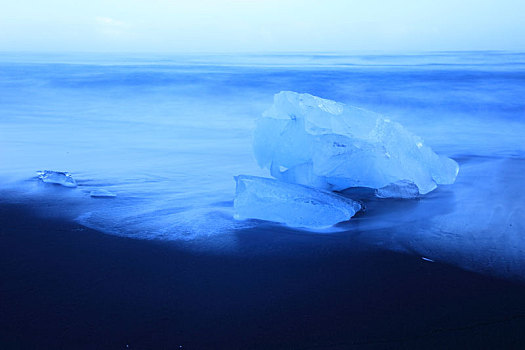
291 204
57 177
312 141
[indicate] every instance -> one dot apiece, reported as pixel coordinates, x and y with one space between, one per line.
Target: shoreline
67 286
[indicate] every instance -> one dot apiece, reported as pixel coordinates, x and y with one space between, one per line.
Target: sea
167 133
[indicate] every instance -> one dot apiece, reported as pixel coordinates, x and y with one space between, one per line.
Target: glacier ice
57 177
291 204
101 193
400 189
321 143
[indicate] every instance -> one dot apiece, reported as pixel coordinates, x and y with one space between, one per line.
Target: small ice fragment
57 177
291 204
401 189
427 259
102 193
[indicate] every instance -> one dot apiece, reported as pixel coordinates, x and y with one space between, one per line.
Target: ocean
167 134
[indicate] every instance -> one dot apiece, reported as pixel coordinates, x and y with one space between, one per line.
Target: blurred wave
168 133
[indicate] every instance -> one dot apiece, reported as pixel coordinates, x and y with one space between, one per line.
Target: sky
261 25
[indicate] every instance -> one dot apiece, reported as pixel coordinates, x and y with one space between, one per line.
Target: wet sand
66 286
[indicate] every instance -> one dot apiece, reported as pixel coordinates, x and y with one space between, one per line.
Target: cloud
110 27
107 21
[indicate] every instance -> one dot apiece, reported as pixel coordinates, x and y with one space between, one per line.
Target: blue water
168 133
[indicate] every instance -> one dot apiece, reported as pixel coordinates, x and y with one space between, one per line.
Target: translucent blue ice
312 141
57 177
102 193
291 204
400 189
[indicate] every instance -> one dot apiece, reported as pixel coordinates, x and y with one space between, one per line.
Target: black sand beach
65 286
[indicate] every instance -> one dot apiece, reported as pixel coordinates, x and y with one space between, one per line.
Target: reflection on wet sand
478 223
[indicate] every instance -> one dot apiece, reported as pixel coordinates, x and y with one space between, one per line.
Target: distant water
168 133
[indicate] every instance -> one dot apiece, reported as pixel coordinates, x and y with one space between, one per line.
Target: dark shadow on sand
66 286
